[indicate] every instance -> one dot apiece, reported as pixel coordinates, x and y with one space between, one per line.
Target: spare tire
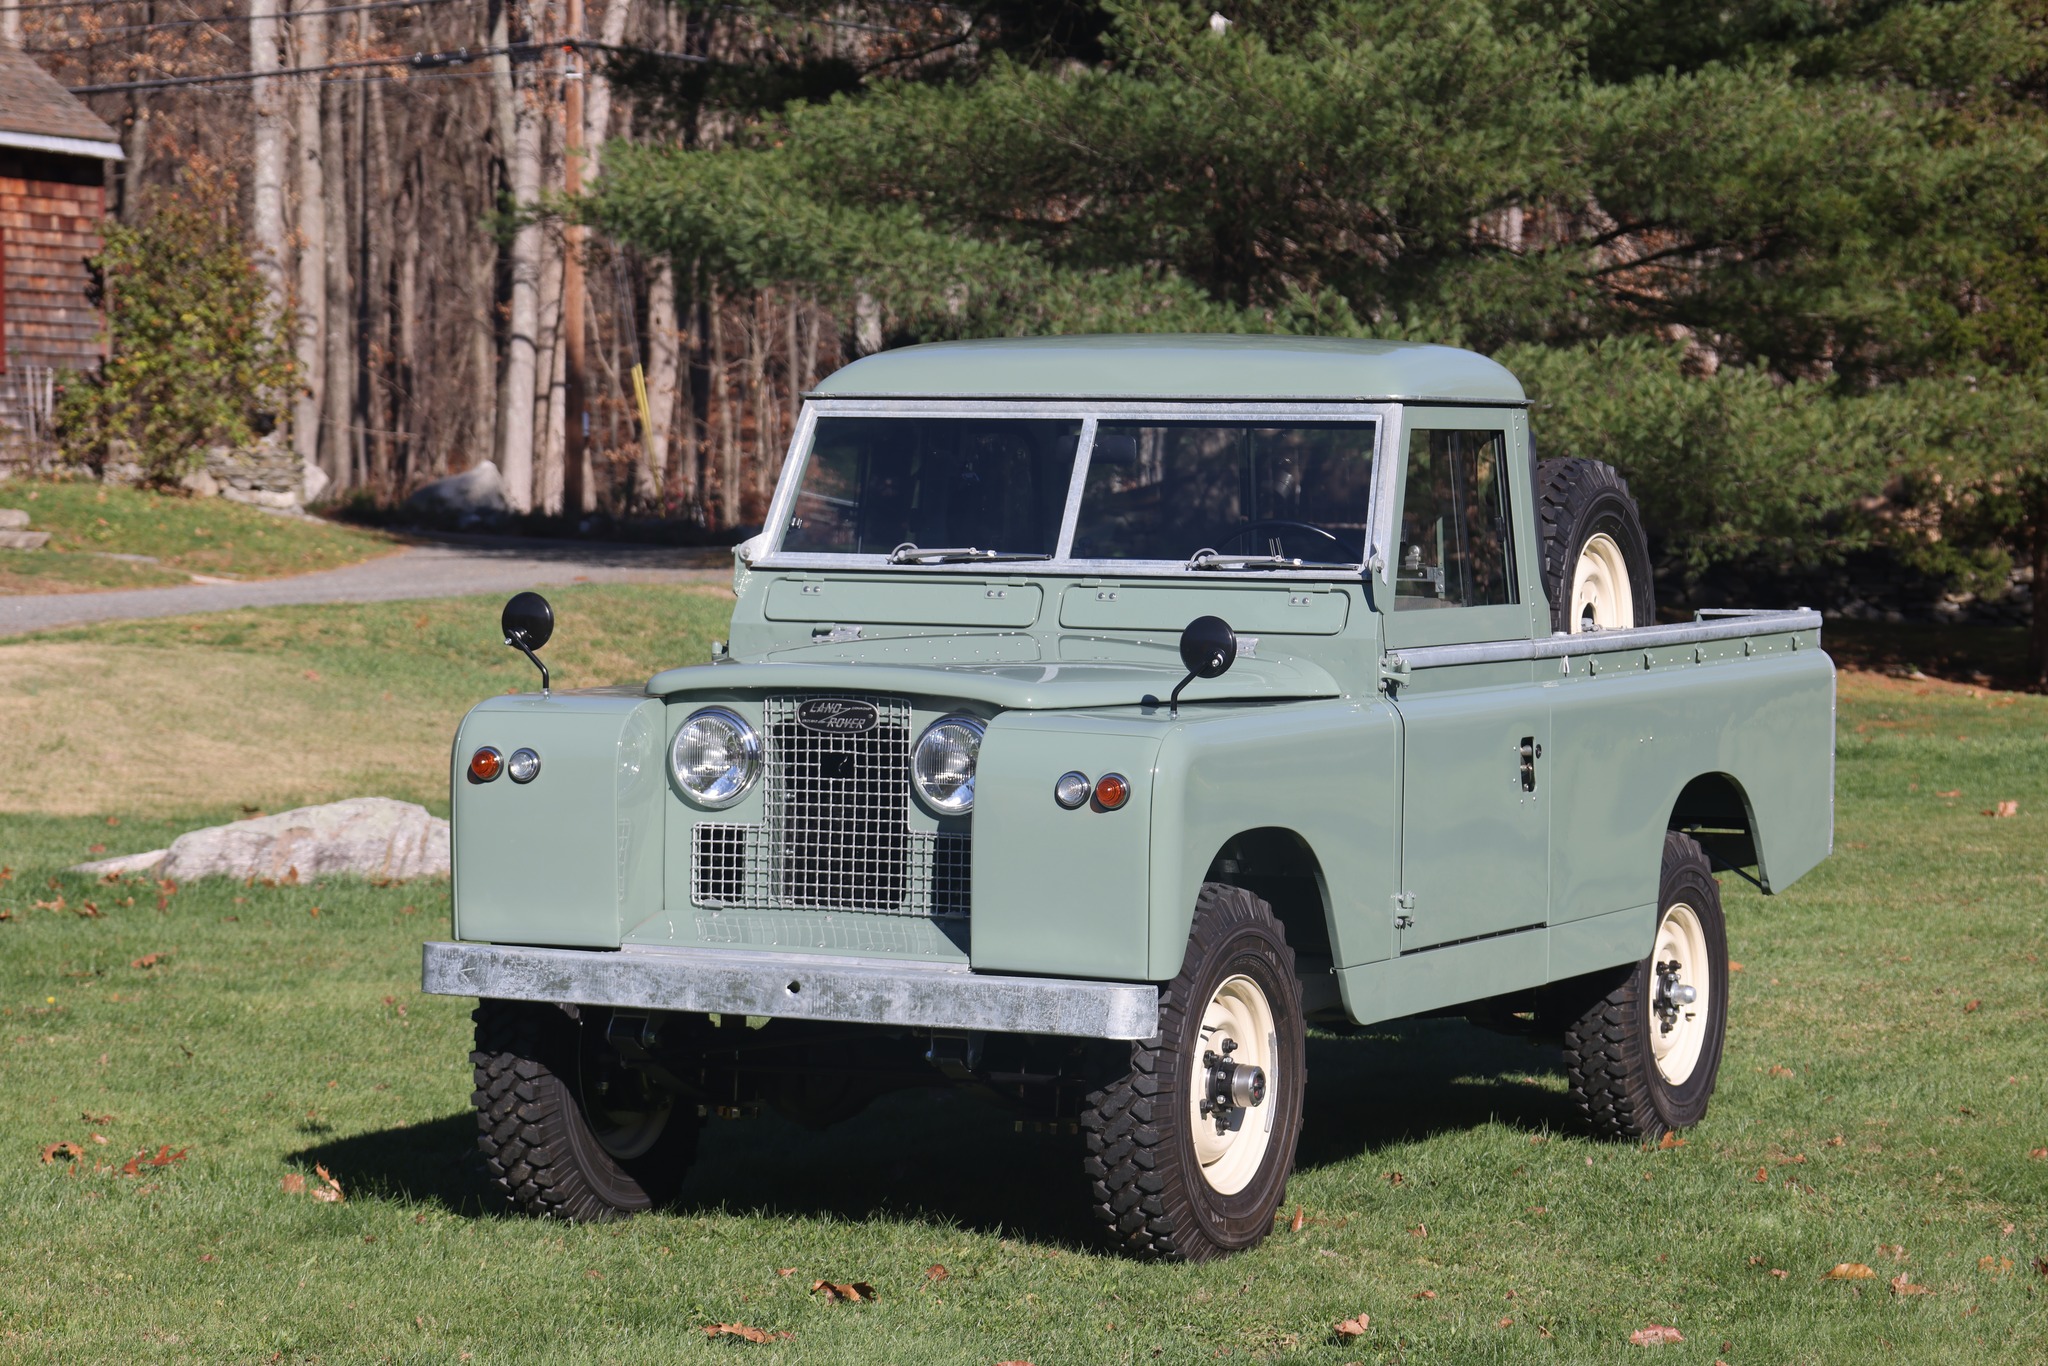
1596 560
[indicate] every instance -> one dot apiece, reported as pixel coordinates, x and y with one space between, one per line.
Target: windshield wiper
907 553
1210 559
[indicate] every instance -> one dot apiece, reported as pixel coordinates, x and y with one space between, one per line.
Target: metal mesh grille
836 832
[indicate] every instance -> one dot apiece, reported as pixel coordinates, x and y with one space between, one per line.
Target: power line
417 61
108 34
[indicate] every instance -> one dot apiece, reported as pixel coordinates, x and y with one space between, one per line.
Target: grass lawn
173 537
1881 1098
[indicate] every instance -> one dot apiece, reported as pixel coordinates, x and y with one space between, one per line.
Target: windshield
1169 490
874 484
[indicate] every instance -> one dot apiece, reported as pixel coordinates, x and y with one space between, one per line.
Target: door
1475 819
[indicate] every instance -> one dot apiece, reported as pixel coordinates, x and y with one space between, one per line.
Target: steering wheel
1253 528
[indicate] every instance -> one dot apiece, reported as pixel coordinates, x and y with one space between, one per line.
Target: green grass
181 536
267 1039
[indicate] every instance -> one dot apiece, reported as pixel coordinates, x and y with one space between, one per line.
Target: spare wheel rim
1679 960
1603 595
1240 1012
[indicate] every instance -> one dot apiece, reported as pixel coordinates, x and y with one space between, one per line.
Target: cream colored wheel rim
1603 598
1678 1032
1230 1159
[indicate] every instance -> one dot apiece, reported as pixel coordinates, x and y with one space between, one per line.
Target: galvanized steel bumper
795 986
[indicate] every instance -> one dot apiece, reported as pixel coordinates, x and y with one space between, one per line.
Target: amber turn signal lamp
485 765
1112 790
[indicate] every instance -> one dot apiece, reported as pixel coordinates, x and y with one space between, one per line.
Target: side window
1455 533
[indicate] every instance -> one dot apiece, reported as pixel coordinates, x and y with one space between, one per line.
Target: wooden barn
53 156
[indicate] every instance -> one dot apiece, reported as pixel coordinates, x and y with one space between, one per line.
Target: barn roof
38 114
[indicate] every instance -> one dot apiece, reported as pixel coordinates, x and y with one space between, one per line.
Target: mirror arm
1173 699
517 640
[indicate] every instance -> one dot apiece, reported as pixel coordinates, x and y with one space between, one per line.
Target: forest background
1785 262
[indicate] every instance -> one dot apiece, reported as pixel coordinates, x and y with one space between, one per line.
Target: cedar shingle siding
52 199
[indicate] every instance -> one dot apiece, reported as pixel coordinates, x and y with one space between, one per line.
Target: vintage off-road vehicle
1098 713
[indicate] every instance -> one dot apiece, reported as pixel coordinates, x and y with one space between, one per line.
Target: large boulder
373 837
473 493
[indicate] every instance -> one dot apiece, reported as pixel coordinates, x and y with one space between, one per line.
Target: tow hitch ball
1671 995
1233 1086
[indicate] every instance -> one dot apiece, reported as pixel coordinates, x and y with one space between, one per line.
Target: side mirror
527 623
1208 647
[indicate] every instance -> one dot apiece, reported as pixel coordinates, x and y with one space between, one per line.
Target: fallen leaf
1895 1251
96 849
1834 1142
785 1271
739 1330
2041 1266
294 1183
936 1273
2039 1154
1734 966
1670 1140
1997 1266
1294 1224
854 1292
1423 1295
1762 1177
1952 792
1353 1327
1781 1275
65 1148
1850 1271
2004 809
1972 1007
1656 1335
1902 1284
1507 1323
148 960
1778 1070
1419 1231
329 1192
1395 1178
100 1139
206 1256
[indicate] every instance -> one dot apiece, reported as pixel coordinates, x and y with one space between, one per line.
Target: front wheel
1643 1055
567 1130
1190 1150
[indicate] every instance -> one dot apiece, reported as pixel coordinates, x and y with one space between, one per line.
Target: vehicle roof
1167 366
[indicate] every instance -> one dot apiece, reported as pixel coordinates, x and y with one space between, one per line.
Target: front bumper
795 986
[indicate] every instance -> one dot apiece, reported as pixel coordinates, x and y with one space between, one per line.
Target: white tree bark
270 154
664 354
309 35
10 24
597 110
520 121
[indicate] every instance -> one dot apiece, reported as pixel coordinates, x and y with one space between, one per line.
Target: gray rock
13 519
373 837
478 490
23 540
201 484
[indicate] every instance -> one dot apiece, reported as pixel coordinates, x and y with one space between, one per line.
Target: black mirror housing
1208 647
527 620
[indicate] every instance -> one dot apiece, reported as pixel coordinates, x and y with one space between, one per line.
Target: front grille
836 832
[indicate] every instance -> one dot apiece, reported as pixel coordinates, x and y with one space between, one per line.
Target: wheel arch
1715 810
1279 866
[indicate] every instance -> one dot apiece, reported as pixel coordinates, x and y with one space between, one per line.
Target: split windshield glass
873 484
949 490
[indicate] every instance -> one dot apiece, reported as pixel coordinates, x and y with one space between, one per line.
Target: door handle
1528 752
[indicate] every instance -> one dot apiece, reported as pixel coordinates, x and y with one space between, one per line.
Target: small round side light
523 766
1112 790
1071 790
485 764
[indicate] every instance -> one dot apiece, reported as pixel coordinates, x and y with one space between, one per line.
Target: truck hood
1047 686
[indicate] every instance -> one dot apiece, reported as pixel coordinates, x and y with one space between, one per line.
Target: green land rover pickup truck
1098 714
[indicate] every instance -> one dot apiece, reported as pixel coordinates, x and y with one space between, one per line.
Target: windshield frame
1090 413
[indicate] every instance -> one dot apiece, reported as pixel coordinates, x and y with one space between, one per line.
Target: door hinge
1394 671
1404 902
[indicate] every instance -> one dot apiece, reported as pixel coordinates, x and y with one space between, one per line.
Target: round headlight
943 766
715 757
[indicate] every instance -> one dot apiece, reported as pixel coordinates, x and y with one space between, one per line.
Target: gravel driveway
451 566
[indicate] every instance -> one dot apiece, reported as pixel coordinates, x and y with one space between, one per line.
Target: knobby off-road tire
1596 560
1631 1076
1164 1184
548 1149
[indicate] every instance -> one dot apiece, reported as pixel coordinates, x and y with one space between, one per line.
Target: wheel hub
1229 1077
1232 1086
1679 988
1672 994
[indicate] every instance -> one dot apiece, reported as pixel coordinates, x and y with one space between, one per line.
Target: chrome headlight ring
942 766
715 757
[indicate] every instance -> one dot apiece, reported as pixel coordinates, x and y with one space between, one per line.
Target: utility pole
575 486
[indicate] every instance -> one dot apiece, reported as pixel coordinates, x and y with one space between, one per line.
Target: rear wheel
1643 1054
1190 1150
1596 559
567 1130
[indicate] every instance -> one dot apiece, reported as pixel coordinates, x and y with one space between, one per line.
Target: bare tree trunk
758 401
407 303
268 135
663 337
520 122
335 447
2037 634
547 410
576 488
696 402
10 23
728 429
310 36
375 347
135 164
